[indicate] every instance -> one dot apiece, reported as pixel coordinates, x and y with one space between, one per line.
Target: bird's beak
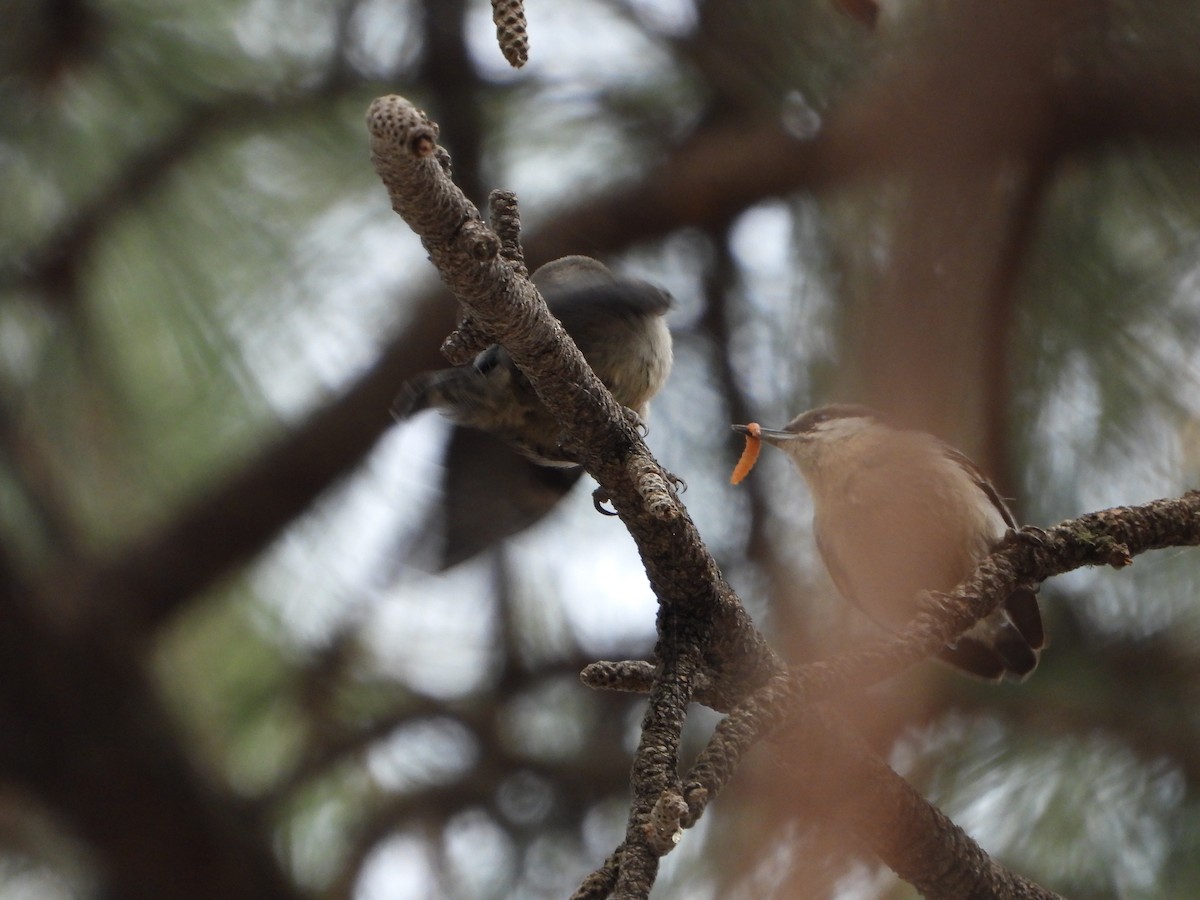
769 435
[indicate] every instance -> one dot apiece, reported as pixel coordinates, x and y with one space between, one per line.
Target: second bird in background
899 512
617 323
489 492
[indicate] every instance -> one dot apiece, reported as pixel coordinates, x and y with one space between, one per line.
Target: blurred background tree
221 671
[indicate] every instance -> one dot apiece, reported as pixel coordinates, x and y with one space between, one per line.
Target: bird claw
1030 535
599 497
635 419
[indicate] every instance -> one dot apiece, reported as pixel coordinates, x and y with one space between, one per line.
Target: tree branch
700 617
1111 537
506 308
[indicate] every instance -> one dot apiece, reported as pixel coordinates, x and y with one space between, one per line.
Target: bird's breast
636 367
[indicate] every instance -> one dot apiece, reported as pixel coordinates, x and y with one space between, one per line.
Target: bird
897 512
616 323
505 465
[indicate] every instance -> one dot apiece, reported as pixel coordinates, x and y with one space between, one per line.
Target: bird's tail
1007 643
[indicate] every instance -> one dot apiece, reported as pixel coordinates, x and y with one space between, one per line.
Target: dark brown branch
467 339
506 220
26 460
84 731
637 676
600 883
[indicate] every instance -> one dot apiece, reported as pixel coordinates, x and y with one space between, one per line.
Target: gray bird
898 512
617 323
489 491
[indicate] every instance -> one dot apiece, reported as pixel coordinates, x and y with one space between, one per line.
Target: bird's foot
599 497
635 419
1030 535
679 483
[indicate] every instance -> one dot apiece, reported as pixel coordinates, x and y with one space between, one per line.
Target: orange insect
749 455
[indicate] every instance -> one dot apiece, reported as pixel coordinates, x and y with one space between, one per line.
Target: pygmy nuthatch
617 323
899 512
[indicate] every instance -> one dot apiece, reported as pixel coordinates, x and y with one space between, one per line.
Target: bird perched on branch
618 325
899 512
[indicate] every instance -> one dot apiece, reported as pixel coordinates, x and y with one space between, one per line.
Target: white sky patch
601 584
274 30
760 241
479 853
422 753
381 35
438 633
671 17
787 319
400 868
316 574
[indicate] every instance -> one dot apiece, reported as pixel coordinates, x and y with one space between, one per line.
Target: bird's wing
981 482
1021 604
475 515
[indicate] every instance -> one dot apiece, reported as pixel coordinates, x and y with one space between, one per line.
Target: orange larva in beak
749 455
